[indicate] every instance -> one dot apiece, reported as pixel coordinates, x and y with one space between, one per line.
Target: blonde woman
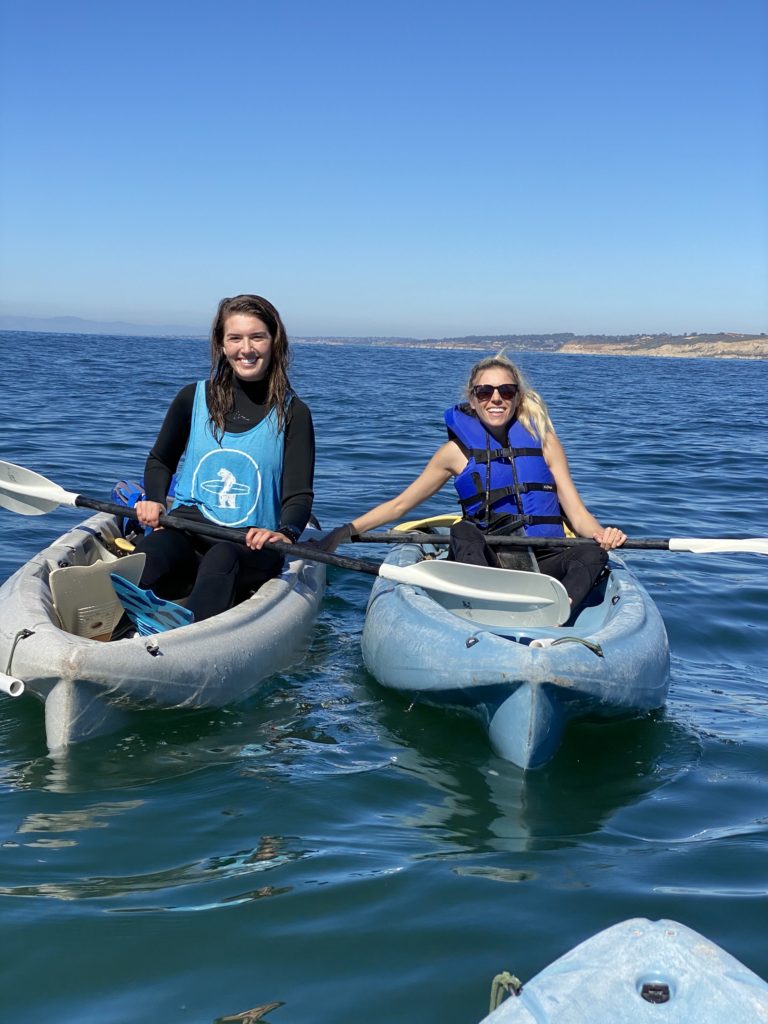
512 477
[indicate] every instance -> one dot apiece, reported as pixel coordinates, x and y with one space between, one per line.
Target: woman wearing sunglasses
512 477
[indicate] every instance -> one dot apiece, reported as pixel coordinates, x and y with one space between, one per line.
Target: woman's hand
257 537
149 513
331 540
609 537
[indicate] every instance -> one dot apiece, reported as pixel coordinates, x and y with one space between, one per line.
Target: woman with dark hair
246 446
511 474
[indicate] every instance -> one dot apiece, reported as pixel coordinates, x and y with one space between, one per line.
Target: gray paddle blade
28 493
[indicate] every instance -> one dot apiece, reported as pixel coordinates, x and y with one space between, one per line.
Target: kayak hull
88 686
639 971
524 683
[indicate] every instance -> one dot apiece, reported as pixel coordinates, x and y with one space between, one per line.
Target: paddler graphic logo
227 487
228 483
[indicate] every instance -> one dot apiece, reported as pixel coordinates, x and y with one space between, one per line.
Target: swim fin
149 613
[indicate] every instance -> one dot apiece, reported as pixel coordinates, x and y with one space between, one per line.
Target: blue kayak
520 672
638 971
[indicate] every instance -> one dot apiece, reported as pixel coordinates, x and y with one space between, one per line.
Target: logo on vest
228 484
226 488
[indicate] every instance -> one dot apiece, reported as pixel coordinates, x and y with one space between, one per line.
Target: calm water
327 847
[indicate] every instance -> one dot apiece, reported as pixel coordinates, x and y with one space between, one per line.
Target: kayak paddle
697 545
31 494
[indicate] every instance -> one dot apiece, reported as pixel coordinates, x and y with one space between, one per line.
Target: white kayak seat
84 598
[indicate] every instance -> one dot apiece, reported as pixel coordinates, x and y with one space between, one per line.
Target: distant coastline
689 346
725 345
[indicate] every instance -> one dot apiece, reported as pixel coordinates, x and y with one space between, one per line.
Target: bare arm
445 463
577 513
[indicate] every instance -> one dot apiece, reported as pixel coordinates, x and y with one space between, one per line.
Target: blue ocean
327 847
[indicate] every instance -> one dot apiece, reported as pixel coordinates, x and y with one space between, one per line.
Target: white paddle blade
28 493
485 594
713 545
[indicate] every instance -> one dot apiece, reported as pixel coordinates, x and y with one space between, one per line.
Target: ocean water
326 847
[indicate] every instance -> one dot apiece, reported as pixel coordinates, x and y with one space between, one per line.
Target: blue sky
425 168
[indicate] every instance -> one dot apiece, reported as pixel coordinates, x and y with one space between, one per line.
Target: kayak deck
640 971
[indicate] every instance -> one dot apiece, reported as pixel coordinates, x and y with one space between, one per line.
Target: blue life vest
512 484
236 480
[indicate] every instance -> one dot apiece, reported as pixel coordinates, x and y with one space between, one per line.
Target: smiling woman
245 446
512 477
247 346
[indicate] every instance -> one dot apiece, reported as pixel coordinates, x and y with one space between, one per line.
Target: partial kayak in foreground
523 675
636 972
58 613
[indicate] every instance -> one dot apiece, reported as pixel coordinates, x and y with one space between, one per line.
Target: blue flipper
149 613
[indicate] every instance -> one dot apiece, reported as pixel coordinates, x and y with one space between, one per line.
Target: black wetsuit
217 574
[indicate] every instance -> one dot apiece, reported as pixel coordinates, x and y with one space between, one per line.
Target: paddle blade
715 545
485 594
28 493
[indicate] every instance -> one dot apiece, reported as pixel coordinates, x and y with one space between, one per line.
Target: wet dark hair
221 398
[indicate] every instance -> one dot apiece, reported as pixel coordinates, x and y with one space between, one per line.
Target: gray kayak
636 972
90 678
520 672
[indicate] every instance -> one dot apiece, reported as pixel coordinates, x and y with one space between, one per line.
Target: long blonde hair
531 408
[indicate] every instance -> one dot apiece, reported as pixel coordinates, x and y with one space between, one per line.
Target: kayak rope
21 635
503 985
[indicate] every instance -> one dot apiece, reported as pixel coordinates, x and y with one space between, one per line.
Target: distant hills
730 345
722 345
77 325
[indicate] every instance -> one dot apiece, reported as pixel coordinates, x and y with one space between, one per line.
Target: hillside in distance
723 345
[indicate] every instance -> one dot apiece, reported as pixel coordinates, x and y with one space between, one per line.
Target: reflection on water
96 816
272 852
479 803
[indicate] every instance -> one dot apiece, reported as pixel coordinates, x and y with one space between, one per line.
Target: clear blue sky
408 167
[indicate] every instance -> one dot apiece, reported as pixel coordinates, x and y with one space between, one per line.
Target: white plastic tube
10 685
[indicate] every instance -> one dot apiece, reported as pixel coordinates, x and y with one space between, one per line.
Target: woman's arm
576 512
298 467
164 457
445 463
297 480
169 446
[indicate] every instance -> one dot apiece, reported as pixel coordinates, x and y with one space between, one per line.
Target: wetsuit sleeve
169 446
298 467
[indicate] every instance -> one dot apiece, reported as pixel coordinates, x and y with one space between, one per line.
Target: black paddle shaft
416 537
307 551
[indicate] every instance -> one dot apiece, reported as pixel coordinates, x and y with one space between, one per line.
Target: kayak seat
84 598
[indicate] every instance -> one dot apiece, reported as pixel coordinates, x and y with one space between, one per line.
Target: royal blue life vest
237 479
500 482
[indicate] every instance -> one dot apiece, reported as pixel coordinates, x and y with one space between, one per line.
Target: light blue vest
236 481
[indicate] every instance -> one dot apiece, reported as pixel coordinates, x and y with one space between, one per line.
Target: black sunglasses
484 392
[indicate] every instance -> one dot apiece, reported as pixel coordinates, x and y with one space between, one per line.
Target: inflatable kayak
525 672
64 639
634 972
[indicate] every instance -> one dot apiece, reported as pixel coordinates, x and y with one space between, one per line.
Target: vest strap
483 455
